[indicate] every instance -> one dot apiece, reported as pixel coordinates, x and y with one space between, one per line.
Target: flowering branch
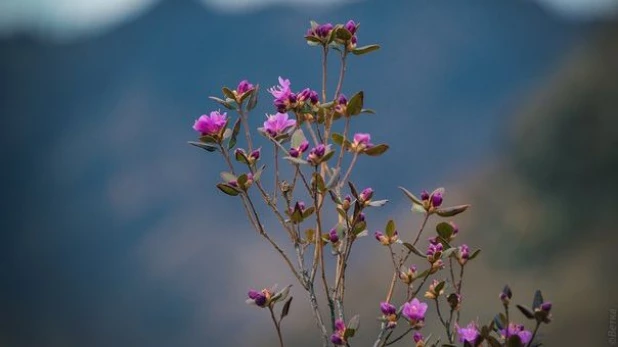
290 145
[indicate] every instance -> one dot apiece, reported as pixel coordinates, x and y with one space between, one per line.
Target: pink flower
414 311
278 124
212 124
468 334
517 329
282 91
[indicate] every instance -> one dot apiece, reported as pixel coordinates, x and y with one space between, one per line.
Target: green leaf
355 105
224 103
253 99
241 157
414 250
343 34
338 139
418 208
282 294
525 311
349 332
296 160
367 110
227 189
365 49
538 300
204 146
439 287
298 137
354 322
227 177
228 93
235 132
353 190
474 254
359 228
242 180
445 230
411 196
390 228
444 242
327 156
452 211
286 308
376 150
308 212
208 139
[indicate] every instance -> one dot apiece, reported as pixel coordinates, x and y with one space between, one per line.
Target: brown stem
399 337
277 326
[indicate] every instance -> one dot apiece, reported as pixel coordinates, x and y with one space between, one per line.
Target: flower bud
463 254
418 338
333 236
409 275
243 87
345 204
506 295
361 217
424 195
366 195
436 266
316 154
255 155
432 293
454 301
436 199
351 26
455 229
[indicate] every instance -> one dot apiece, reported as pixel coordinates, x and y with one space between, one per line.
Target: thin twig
272 315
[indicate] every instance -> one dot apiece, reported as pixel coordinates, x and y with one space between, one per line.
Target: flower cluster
312 227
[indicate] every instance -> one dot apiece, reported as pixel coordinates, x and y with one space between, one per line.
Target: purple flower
351 26
463 254
338 336
366 194
424 195
316 154
308 94
361 141
333 236
212 124
342 100
436 199
255 155
278 124
434 248
282 91
387 308
324 30
361 217
337 340
468 334
546 306
517 329
259 298
414 311
417 337
243 87
297 151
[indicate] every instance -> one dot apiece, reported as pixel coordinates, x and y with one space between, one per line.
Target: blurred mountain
109 235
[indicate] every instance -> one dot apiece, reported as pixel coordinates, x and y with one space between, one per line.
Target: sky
74 19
